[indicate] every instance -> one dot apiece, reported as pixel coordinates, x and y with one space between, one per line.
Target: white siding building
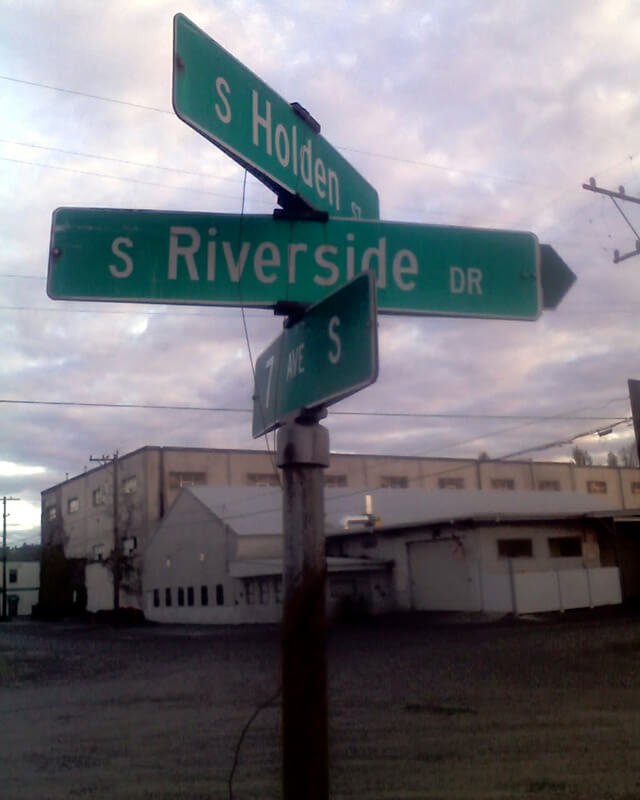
23 583
216 556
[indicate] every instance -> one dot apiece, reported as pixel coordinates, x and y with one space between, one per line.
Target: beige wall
587 479
91 526
560 473
518 472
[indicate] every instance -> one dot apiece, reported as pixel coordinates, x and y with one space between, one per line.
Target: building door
439 573
13 601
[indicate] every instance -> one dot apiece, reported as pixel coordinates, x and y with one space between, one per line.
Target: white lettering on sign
121 272
404 263
292 251
465 282
260 261
294 362
269 365
260 122
334 356
379 252
283 149
186 251
224 115
196 255
321 261
301 161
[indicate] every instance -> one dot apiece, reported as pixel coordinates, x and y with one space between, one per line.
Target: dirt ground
420 707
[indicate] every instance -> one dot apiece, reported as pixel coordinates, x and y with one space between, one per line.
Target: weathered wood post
302 454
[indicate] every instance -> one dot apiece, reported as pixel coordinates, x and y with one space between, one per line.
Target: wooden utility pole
614 196
5 500
302 454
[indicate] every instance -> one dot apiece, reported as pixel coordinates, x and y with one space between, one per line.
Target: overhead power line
99 157
426 164
102 98
95 174
388 414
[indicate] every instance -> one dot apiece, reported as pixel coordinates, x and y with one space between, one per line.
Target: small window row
559 547
187 597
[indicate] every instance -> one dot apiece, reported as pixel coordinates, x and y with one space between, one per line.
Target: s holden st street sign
276 141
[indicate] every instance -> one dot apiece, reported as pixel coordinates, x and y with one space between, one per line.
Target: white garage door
440 579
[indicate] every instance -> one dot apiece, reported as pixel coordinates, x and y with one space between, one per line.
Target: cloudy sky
474 113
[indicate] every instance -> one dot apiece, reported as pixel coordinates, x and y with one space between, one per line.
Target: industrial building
23 583
216 554
84 517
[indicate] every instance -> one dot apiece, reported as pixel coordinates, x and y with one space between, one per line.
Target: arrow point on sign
556 278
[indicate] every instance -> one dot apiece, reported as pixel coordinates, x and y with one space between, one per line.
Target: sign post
302 454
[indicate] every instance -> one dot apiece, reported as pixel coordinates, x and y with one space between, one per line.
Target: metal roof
258 510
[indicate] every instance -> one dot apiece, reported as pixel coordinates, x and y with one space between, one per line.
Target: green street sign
224 259
224 101
330 353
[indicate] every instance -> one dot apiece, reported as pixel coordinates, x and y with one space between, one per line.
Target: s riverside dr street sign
224 101
224 259
330 353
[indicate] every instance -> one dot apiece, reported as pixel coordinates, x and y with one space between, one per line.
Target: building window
596 487
129 485
450 483
179 479
549 486
515 548
635 487
263 479
190 600
73 505
503 483
250 592
167 597
13 576
394 482
129 545
51 512
97 497
98 552
219 594
335 481
180 596
264 591
204 595
565 546
277 590
156 598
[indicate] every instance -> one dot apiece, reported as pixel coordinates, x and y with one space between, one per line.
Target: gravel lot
420 707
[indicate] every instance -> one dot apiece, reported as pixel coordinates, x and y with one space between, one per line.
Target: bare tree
581 457
629 455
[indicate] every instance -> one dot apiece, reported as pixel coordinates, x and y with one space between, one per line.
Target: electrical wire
383 414
121 178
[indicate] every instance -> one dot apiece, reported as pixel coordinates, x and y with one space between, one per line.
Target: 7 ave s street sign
330 353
